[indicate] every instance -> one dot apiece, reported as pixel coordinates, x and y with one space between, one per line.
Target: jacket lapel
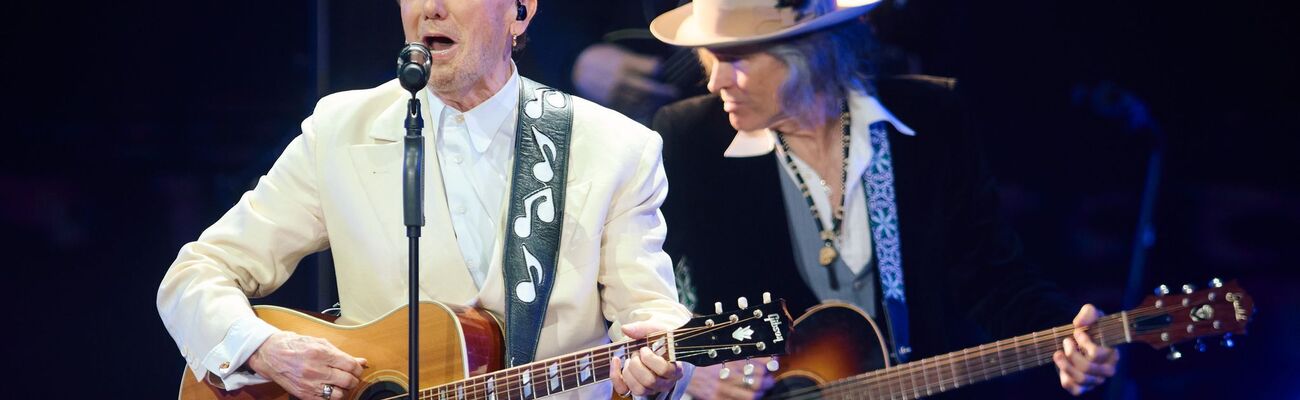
379 168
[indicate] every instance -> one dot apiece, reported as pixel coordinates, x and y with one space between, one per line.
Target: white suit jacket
338 186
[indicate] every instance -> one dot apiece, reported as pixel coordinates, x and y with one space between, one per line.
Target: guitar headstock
1171 317
756 331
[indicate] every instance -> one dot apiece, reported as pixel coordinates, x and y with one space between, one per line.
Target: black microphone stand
413 75
413 211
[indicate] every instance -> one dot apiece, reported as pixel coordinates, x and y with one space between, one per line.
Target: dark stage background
134 125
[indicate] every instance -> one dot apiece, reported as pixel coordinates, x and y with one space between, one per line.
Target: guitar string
933 368
1037 348
995 370
505 375
473 386
839 386
477 386
886 378
999 369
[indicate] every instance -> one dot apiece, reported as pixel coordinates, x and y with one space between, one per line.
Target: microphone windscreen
413 67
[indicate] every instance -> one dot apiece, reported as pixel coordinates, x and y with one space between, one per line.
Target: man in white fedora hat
811 188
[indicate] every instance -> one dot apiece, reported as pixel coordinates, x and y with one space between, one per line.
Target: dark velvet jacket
966 280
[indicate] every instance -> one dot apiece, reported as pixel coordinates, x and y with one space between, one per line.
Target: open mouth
439 43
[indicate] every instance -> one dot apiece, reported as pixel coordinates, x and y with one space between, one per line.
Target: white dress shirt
854 241
475 150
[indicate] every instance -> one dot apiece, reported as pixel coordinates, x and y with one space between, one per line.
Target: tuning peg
1162 290
742 302
767 297
1200 346
717 307
1215 283
1189 288
773 365
1227 341
724 373
1174 354
748 370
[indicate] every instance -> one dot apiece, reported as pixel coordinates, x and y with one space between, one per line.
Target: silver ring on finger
327 391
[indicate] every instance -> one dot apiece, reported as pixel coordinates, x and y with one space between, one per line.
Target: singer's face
469 40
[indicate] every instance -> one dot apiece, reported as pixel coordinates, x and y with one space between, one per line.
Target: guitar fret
584 369
553 382
526 384
1000 349
1038 343
569 372
940 373
1019 354
925 379
931 376
956 378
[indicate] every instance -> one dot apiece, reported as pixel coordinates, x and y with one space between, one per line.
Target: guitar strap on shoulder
883 217
536 214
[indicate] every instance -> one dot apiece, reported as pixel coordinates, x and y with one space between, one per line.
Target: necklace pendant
827 255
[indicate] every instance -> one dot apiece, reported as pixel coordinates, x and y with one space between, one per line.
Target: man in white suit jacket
338 186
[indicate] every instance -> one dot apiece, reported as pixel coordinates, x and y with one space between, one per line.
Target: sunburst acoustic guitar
462 354
837 352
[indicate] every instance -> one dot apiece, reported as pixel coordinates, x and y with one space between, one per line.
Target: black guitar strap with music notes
536 214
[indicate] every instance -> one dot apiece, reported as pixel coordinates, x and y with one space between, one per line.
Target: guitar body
455 343
831 341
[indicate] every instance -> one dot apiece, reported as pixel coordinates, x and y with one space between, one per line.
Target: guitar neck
705 340
973 365
542 378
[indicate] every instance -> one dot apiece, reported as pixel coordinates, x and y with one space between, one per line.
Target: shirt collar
484 122
864 110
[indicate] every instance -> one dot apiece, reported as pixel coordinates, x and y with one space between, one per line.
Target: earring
514 40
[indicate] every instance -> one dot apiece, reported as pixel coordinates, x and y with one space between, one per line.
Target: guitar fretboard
950 371
542 378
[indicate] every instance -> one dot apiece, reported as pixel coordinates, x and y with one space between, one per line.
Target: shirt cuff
243 338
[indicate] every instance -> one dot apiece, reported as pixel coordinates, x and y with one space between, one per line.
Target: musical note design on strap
545 212
543 171
526 291
553 98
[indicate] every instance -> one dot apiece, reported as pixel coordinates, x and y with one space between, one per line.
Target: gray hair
824 66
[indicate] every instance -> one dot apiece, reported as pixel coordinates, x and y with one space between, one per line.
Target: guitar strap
536 214
882 209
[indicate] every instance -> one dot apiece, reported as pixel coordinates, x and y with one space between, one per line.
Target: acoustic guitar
462 353
837 352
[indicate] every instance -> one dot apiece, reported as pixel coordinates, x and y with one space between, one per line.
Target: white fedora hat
726 23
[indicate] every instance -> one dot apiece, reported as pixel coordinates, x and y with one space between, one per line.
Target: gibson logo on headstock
1240 311
775 320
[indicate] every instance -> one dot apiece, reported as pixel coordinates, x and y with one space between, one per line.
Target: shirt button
857 285
460 118
457 159
224 366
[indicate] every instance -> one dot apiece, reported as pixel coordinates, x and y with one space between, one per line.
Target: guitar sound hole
793 387
382 390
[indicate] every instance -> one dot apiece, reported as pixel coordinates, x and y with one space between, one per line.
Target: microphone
413 67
